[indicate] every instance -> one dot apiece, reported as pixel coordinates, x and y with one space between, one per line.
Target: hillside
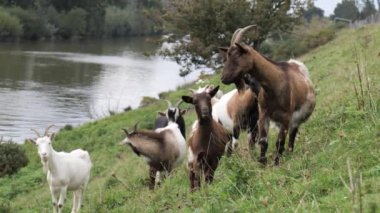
309 180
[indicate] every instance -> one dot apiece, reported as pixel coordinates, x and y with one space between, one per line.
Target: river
73 82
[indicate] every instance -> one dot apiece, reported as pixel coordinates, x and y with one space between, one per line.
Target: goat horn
35 131
192 91
178 103
234 36
47 129
135 126
126 131
239 34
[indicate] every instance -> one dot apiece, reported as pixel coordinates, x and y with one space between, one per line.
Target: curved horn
47 130
239 34
135 126
234 36
126 131
178 103
35 131
192 91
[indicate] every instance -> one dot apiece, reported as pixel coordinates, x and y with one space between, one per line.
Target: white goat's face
44 147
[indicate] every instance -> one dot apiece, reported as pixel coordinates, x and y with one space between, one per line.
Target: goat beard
44 165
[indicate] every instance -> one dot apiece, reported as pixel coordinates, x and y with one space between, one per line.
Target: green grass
308 180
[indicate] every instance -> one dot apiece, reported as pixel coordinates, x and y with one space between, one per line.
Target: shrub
10 26
5 206
319 38
116 23
73 23
34 24
12 158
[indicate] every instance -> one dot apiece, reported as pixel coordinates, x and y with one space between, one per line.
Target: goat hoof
263 160
291 149
276 162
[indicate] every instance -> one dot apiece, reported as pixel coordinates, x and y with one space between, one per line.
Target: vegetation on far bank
335 166
52 19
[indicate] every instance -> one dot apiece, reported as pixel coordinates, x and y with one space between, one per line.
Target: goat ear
241 48
187 99
52 136
162 113
223 51
182 111
213 92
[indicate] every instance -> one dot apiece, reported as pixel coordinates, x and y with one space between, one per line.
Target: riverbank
338 138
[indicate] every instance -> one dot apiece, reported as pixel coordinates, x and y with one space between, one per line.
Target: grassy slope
307 180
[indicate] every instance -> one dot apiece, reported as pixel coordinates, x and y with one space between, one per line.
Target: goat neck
240 85
51 164
265 71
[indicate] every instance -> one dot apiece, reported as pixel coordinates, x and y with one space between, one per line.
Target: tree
313 11
211 23
368 9
346 9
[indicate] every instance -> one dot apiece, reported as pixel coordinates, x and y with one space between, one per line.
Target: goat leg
152 177
263 142
252 137
54 195
280 143
62 197
210 169
194 177
292 137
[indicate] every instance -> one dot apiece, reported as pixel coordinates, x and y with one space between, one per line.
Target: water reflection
71 82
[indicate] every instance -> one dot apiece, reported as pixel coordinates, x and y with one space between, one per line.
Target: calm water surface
62 83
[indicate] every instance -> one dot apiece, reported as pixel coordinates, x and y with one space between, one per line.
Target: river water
61 83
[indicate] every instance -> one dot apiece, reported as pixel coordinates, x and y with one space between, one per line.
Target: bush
12 158
319 38
116 23
289 48
34 24
304 37
10 26
73 23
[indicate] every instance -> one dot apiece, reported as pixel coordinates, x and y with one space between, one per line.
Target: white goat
65 171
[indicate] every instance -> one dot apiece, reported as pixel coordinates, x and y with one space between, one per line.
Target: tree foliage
347 9
368 9
313 11
211 23
73 18
10 26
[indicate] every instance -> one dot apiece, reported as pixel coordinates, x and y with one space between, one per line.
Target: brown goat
287 95
163 148
207 140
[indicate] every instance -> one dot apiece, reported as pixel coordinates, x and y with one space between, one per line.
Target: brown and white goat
164 148
207 141
287 95
237 110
